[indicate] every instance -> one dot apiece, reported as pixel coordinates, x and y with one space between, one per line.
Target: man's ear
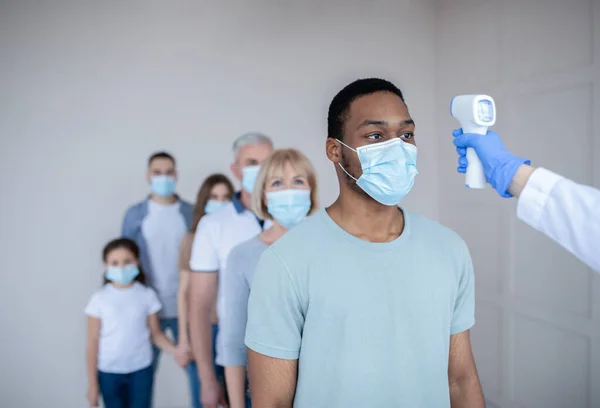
333 150
148 176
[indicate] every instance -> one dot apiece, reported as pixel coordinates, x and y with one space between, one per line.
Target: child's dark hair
132 247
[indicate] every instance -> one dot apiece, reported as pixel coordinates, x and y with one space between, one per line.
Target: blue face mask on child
388 170
122 275
289 207
249 174
163 186
213 206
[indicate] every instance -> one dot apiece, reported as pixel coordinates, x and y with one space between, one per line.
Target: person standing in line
157 225
215 193
122 325
285 192
365 304
215 235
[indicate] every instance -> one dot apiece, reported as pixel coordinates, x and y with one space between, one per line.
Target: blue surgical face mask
122 275
289 207
388 170
249 174
163 186
212 206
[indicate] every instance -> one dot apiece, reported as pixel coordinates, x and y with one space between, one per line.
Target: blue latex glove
499 165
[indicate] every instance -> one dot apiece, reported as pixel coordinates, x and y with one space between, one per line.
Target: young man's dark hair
338 109
160 155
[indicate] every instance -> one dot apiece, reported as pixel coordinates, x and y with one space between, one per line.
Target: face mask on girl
388 170
289 207
122 275
213 206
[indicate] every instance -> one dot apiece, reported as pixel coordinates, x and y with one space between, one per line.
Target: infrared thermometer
475 113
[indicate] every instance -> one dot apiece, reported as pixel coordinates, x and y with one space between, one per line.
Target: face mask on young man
388 170
163 185
289 207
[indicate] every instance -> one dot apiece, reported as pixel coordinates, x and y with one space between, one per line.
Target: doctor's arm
565 211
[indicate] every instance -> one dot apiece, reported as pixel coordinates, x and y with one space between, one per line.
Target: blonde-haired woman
285 193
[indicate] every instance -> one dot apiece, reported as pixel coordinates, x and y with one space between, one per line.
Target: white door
537 336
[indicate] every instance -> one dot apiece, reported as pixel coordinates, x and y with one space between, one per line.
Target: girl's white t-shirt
124 345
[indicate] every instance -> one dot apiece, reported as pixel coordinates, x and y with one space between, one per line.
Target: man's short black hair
338 109
161 155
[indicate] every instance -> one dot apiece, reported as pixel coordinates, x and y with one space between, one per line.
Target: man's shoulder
137 208
424 227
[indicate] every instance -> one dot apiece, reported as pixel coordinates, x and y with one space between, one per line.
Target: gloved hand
499 165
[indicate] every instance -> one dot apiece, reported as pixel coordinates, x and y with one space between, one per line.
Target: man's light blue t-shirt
369 322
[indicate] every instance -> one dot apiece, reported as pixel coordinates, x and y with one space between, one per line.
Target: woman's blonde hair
275 164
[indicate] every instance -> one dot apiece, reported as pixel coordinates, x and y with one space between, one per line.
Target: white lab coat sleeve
565 211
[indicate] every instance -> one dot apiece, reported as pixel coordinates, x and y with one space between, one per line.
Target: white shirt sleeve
93 308
565 211
205 257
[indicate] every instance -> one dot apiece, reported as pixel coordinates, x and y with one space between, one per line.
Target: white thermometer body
475 113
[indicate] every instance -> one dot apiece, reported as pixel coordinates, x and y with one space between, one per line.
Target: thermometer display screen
486 111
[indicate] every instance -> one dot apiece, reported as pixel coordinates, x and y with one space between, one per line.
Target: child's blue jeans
133 390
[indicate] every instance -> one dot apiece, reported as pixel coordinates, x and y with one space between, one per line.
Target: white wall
536 340
89 89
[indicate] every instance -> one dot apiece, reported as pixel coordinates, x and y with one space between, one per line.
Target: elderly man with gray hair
215 236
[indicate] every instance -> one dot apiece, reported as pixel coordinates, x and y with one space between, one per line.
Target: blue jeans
191 369
133 390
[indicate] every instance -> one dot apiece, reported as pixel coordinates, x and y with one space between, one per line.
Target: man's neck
365 218
245 198
163 200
